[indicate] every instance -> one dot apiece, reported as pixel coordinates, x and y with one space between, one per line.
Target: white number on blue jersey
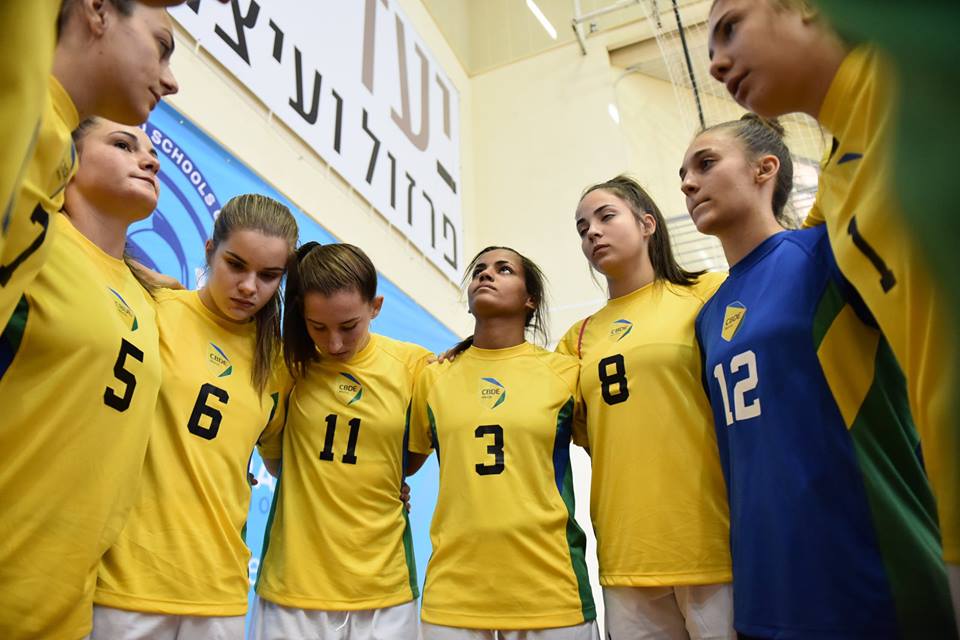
741 410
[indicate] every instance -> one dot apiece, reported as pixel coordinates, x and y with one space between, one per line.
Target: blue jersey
832 522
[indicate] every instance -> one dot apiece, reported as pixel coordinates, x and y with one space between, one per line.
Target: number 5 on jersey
741 410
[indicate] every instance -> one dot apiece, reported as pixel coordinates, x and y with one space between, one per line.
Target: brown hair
665 266
761 137
324 269
535 283
255 212
67 7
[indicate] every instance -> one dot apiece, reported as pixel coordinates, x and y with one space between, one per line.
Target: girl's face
117 172
498 286
339 324
245 272
134 52
721 185
611 237
759 51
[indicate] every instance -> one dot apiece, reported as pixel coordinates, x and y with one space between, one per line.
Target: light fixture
614 112
535 10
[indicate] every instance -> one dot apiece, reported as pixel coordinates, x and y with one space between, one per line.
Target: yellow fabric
182 551
28 234
855 187
848 341
73 461
501 558
658 498
339 538
27 26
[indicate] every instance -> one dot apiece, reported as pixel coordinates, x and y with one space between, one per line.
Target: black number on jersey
40 218
110 397
350 457
887 279
618 377
201 408
495 449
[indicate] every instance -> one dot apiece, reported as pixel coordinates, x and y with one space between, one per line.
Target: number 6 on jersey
741 410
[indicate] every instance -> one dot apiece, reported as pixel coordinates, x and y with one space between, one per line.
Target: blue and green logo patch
620 329
349 387
492 393
124 309
217 362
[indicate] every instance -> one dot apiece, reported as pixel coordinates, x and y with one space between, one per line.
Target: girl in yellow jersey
112 60
508 557
179 568
780 56
338 557
79 375
658 500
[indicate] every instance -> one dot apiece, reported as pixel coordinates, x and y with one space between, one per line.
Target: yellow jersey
338 537
182 551
507 552
40 197
658 499
79 376
27 26
875 250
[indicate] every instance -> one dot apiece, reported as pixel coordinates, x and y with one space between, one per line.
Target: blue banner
197 177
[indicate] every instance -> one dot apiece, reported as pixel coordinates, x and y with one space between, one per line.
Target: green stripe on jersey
902 504
12 334
576 540
408 554
831 304
269 526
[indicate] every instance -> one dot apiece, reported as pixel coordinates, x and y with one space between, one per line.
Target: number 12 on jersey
741 410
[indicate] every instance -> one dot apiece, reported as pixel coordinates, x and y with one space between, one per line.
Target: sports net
680 29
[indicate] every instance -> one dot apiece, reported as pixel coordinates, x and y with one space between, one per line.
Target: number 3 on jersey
741 410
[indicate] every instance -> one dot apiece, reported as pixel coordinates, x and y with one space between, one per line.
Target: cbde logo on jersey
347 386
732 319
620 329
217 362
492 393
124 309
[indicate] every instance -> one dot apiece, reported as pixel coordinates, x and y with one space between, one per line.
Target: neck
632 278
206 298
109 232
830 54
78 86
740 240
498 333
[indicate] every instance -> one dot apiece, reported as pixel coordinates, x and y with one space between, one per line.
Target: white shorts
585 631
953 574
272 621
698 612
118 624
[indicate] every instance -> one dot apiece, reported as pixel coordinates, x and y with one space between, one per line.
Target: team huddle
774 450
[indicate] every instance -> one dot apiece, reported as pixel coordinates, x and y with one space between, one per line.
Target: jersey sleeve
814 217
270 442
420 439
570 342
708 284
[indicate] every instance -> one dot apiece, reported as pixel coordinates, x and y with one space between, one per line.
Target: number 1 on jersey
350 457
741 410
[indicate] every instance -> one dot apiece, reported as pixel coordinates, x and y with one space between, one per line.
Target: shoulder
407 353
570 342
563 366
707 284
